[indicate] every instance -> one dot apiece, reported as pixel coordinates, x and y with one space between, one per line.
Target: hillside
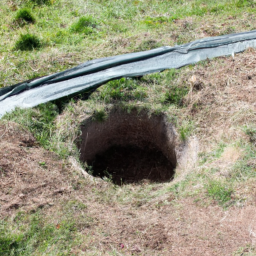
162 164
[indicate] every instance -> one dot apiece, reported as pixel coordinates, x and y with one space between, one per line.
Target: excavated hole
129 147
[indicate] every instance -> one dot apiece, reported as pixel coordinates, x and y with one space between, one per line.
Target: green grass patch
175 95
219 191
245 167
251 132
99 115
155 21
27 42
186 129
39 121
32 235
85 25
122 90
24 16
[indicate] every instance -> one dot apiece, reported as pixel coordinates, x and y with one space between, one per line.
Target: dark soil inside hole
132 164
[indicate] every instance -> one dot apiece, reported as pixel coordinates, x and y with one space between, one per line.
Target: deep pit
129 147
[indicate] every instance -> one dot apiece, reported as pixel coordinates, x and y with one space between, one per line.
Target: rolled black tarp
92 74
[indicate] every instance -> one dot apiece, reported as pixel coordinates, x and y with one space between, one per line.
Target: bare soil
31 177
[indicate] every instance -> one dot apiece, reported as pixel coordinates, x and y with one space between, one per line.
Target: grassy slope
121 27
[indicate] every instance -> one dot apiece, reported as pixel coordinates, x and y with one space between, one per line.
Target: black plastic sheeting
92 74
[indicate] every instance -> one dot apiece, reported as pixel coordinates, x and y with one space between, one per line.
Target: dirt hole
129 147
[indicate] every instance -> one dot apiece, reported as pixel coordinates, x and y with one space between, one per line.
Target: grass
219 191
39 121
53 36
123 89
41 2
85 25
36 235
27 42
99 115
61 24
24 16
251 132
245 3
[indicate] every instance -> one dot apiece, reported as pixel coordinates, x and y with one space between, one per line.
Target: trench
129 147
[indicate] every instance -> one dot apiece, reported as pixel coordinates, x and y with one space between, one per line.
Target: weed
219 150
99 115
175 95
89 169
85 25
24 16
251 132
119 28
27 42
219 191
43 165
107 176
248 250
186 130
198 10
179 188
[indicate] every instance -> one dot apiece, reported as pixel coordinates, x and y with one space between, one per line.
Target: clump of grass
219 191
245 3
39 121
85 24
217 9
99 115
27 42
122 89
175 95
186 130
251 133
24 16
